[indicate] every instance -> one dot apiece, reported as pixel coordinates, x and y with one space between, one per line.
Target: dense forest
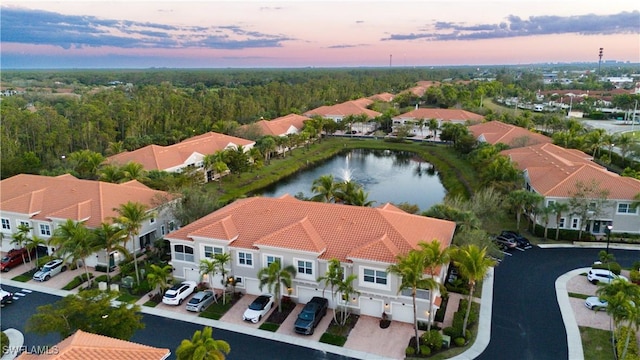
61 112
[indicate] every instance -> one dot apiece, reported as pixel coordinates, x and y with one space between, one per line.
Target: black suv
521 241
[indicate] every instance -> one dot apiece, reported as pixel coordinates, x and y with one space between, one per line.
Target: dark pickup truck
311 315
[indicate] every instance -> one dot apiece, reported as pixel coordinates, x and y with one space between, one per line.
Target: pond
387 176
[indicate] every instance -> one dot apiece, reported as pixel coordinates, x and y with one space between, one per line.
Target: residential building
188 153
43 203
260 230
84 345
554 172
282 126
494 132
340 111
413 117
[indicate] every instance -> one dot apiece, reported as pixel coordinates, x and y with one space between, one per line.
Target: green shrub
410 351
613 266
332 339
77 281
433 339
425 350
269 326
452 331
634 276
4 343
459 341
101 278
632 349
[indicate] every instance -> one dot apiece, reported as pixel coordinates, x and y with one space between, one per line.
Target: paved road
526 322
159 332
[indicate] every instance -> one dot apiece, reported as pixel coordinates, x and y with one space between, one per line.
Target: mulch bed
278 317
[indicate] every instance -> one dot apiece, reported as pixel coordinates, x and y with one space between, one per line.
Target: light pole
600 60
608 230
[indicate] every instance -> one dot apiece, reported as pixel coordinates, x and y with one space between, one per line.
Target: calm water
387 176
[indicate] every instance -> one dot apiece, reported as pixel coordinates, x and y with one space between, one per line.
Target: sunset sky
300 33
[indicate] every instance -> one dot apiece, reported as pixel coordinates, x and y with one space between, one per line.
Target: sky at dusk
300 33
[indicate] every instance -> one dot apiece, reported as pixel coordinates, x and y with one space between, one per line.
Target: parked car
521 241
596 303
505 242
15 257
258 308
311 315
604 275
179 292
5 296
50 269
201 300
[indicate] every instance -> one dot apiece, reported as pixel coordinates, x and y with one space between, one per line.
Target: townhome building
282 126
494 132
257 231
43 203
341 111
414 117
555 173
188 153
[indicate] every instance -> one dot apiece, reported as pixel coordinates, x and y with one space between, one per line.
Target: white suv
52 268
604 275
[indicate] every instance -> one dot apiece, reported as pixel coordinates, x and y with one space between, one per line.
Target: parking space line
27 291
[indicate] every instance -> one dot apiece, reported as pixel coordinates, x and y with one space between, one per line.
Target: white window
152 220
562 223
24 223
268 259
45 230
373 276
6 225
210 251
550 202
304 267
245 259
163 230
575 223
626 208
183 253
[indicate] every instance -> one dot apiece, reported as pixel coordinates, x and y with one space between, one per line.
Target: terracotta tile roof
421 87
385 96
554 171
495 132
155 157
280 126
440 114
331 230
354 107
87 346
66 197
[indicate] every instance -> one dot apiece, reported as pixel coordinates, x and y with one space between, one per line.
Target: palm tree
559 209
221 261
546 212
20 238
332 279
74 240
361 198
434 257
110 237
160 277
521 201
410 268
622 298
473 264
208 267
346 288
203 346
133 171
433 126
131 216
274 276
325 189
33 243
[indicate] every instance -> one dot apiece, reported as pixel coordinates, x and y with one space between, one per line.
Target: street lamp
608 231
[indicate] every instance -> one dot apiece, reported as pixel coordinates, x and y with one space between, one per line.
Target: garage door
305 294
252 286
371 307
401 312
192 274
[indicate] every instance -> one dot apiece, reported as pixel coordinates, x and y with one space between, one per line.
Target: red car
15 257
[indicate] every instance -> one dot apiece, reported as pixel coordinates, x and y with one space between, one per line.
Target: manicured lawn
216 310
596 344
